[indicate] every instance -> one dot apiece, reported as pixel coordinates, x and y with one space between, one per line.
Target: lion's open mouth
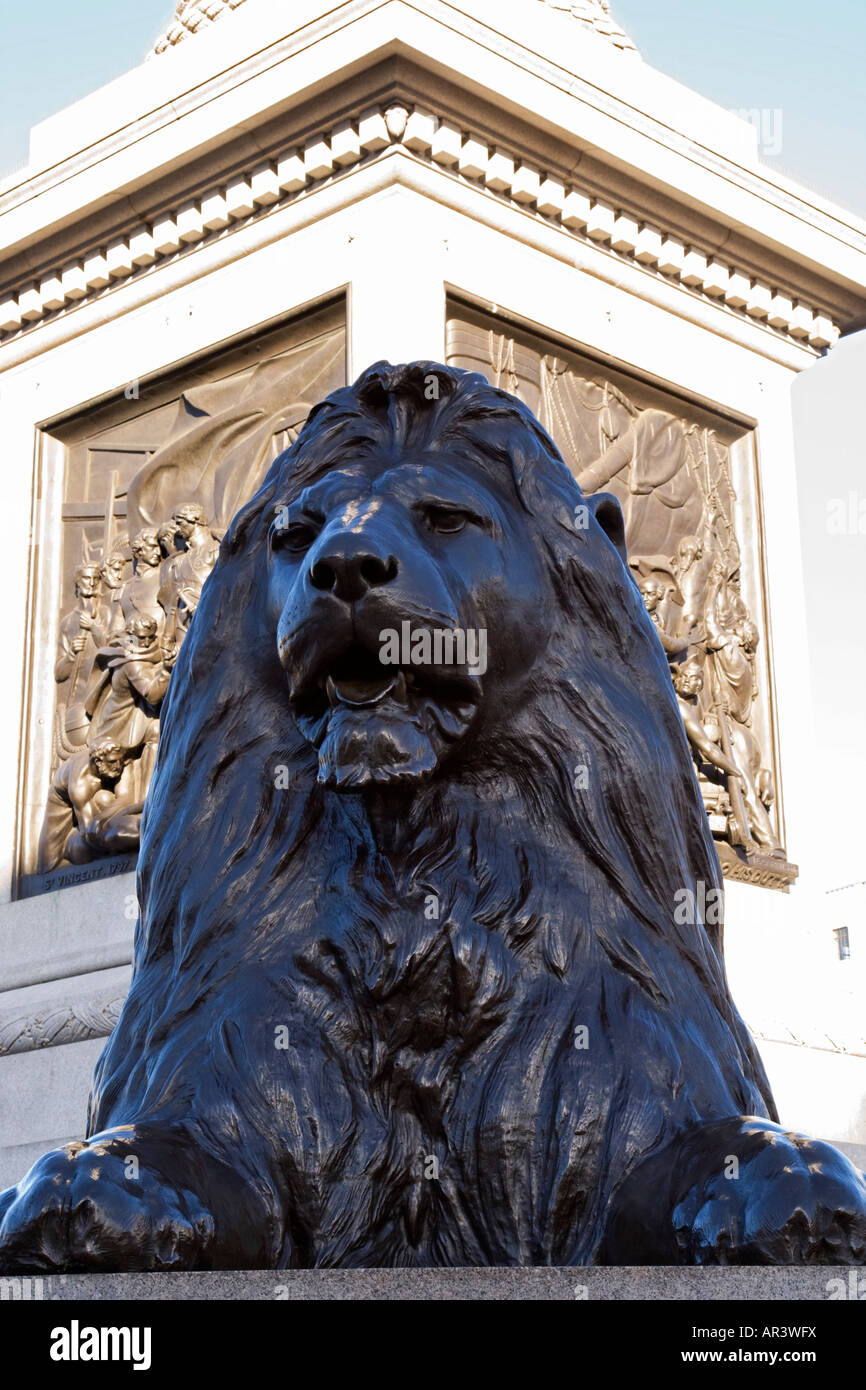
359 680
373 722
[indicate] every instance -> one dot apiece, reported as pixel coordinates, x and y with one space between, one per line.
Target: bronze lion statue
409 986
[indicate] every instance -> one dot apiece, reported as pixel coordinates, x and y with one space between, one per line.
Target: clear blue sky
52 52
795 56
799 57
802 59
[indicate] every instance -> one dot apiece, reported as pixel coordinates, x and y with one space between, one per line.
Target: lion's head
322 771
423 505
409 599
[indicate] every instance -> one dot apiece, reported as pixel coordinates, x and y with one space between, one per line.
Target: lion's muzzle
372 719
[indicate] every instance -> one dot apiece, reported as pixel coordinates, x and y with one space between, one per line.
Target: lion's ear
608 513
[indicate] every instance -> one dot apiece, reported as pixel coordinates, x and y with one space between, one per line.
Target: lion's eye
446 520
294 536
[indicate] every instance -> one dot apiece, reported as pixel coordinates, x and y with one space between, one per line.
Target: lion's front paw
95 1205
773 1197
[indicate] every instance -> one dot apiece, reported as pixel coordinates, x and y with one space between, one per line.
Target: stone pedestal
65 960
469 1285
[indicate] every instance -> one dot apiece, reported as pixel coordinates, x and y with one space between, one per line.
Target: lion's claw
91 1206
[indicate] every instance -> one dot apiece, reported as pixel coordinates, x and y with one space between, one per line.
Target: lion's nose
350 566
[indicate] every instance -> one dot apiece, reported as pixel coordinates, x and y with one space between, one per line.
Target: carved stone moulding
497 170
62 1011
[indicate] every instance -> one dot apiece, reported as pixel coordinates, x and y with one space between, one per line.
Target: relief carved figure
183 574
732 640
662 598
169 540
84 630
139 595
689 683
97 793
113 573
692 565
406 992
84 790
124 699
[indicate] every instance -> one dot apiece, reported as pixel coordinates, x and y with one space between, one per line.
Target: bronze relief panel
151 482
688 485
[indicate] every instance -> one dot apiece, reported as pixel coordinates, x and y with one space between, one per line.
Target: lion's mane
410 1034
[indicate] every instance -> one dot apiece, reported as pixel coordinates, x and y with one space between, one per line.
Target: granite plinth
398 1285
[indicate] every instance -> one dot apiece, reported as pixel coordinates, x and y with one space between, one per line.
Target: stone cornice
465 157
219 123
